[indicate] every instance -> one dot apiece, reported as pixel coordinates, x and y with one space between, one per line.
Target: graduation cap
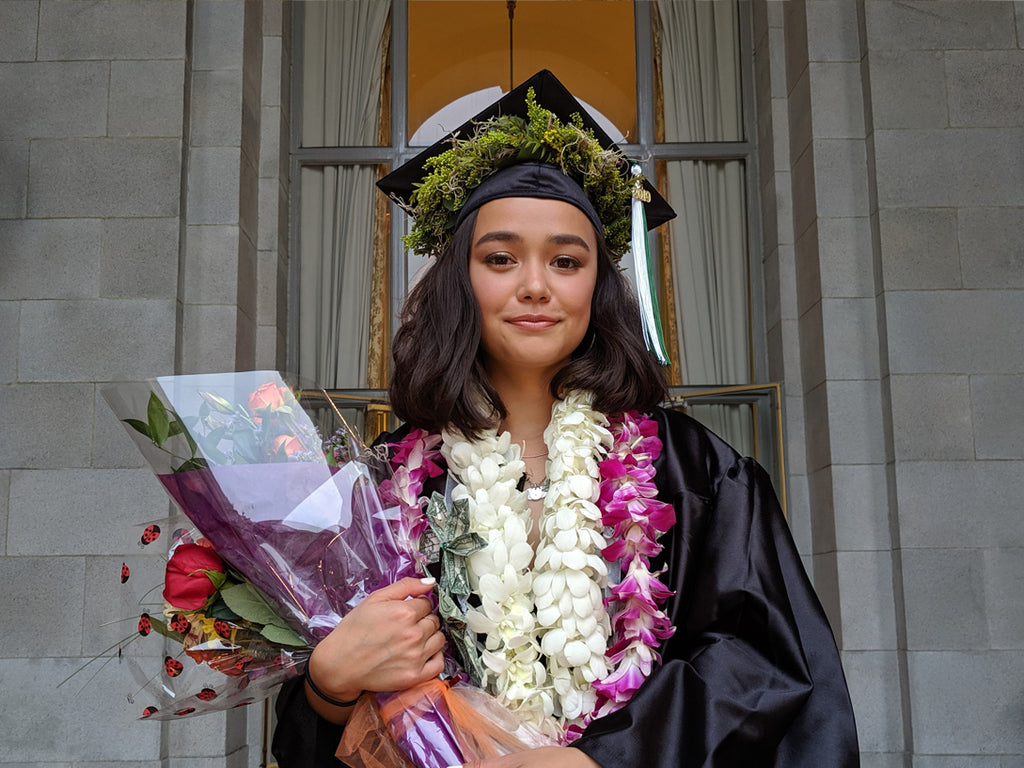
402 184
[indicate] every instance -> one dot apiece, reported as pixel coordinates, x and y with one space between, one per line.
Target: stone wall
143 148
892 173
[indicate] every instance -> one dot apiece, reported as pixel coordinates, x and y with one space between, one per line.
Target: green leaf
217 402
247 602
159 424
138 426
191 465
282 635
217 577
219 610
161 628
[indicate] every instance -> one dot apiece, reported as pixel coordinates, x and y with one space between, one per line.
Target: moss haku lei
506 140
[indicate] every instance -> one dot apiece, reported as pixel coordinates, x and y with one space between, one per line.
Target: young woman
637 584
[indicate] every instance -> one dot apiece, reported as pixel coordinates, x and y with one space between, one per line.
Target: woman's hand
389 642
544 757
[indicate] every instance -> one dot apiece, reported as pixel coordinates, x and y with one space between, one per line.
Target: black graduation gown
751 677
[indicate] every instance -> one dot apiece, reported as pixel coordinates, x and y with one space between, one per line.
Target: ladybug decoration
181 536
222 628
148 712
125 572
180 624
151 534
172 667
145 625
185 711
207 694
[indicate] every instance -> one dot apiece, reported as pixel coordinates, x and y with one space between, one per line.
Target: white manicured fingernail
431 580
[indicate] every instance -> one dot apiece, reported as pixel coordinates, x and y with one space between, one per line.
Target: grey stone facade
143 210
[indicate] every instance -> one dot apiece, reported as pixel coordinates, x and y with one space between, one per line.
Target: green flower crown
506 140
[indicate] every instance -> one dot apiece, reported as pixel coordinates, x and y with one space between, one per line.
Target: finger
403 588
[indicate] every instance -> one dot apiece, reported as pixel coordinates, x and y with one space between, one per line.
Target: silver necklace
536 491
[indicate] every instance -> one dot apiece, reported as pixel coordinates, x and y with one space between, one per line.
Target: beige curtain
702 101
344 58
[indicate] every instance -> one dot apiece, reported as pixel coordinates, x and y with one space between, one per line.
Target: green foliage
505 140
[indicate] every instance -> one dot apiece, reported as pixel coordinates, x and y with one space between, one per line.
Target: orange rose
290 443
268 395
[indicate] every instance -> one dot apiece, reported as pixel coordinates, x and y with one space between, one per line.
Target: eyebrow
503 236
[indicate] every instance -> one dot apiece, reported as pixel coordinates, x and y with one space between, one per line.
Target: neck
528 402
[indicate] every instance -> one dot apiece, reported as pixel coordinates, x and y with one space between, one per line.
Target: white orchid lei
545 628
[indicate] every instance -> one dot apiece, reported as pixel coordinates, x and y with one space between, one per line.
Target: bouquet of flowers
290 533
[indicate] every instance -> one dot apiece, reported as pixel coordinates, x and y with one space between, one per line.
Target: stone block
845 257
784 208
39 592
104 178
798 513
832 31
837 100
866 596
49 258
997 410
861 501
777 63
271 159
104 729
267 236
908 89
98 340
812 347
991 247
959 504
882 760
800 131
873 679
796 445
931 416
794 20
944 591
266 287
19 20
247 259
819 448
146 98
201 740
919 248
966 703
111 29
48 99
107 599
10 312
770 277
14 189
219 27
826 583
209 338
850 334
956 167
112 448
216 103
841 178
211 265
82 511
984 88
961 761
5 487
45 425
855 422
1004 599
807 264
273 17
819 499
266 347
970 332
939 25
213 185
139 259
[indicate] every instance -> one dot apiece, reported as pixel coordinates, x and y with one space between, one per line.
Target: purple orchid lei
630 508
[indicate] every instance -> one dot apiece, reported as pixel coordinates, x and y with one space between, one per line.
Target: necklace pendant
536 492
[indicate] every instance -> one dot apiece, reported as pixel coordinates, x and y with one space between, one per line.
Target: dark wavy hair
439 379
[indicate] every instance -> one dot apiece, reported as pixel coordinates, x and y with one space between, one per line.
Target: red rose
186 583
290 443
268 395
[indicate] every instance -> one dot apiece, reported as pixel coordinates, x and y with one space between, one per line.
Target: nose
533 283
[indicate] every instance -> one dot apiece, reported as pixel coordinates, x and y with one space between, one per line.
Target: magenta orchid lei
630 508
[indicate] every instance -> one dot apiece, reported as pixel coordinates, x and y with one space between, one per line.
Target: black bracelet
324 696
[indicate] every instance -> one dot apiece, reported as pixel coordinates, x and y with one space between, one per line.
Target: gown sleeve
752 676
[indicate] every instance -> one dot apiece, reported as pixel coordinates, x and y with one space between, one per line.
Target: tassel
643 269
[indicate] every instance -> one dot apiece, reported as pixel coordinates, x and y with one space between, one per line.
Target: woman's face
533 268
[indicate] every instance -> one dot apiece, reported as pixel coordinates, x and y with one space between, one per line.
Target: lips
532 322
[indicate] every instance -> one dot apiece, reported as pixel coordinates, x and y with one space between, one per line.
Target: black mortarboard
550 94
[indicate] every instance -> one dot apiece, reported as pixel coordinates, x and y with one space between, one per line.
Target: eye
498 259
567 262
